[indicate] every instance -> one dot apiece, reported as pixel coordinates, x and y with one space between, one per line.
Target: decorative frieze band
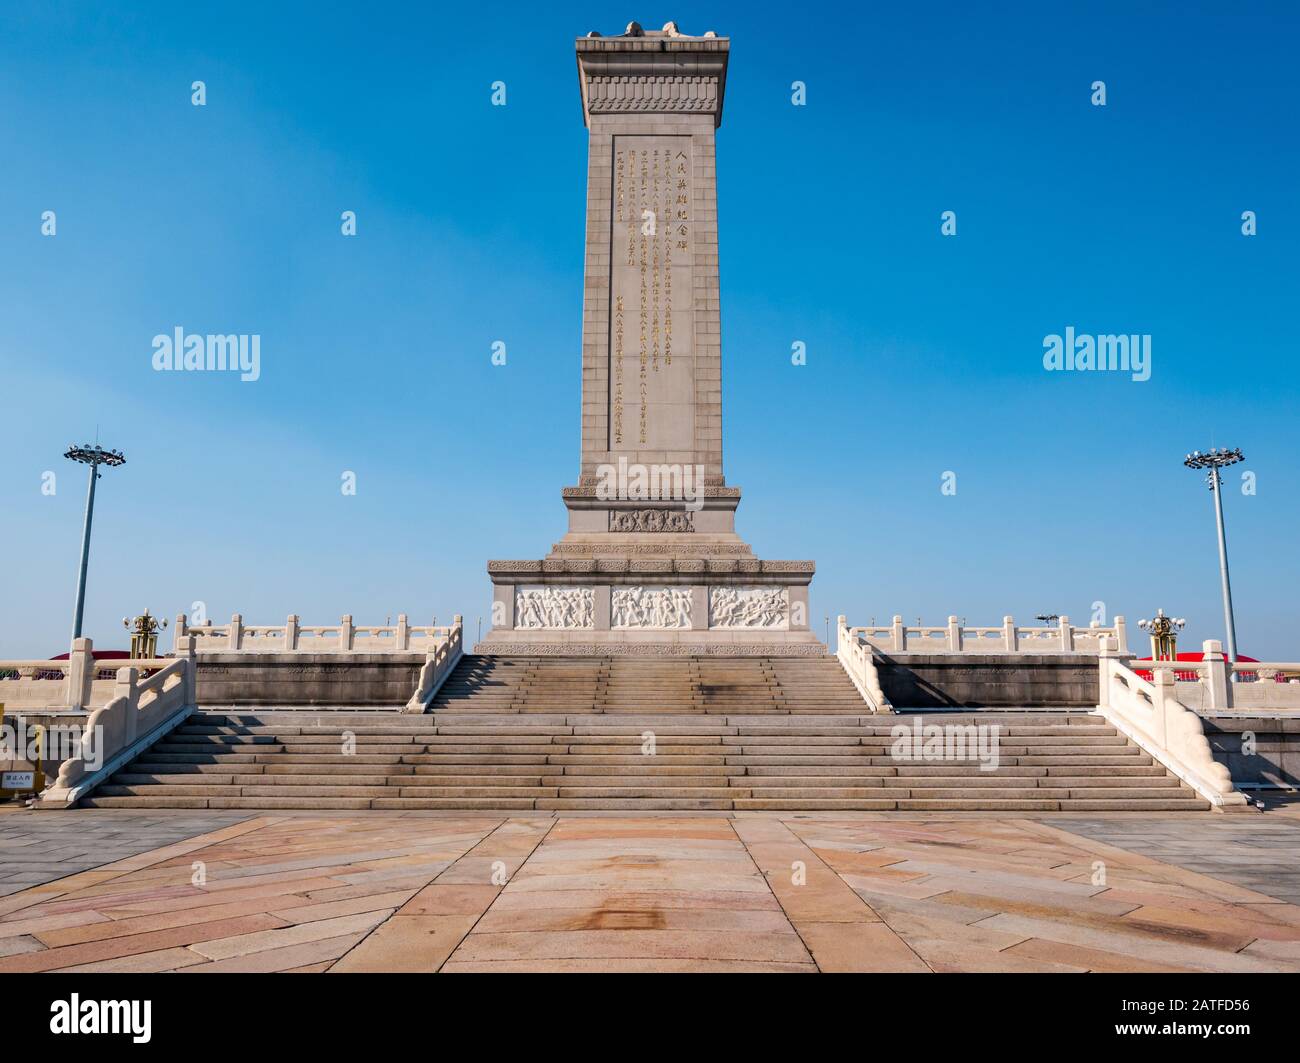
651 520
652 94
574 552
699 648
592 486
800 572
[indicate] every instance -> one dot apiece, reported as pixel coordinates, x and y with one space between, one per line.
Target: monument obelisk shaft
651 562
652 330
651 342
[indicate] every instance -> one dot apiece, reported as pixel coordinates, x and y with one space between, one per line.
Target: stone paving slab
1259 852
38 847
313 892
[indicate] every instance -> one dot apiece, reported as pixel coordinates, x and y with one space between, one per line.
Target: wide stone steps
585 761
656 793
689 686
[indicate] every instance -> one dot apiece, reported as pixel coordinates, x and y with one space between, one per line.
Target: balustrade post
1067 635
841 632
403 632
1121 634
179 632
898 635
1163 681
1105 652
346 632
954 634
1218 687
126 687
81 673
236 632
188 651
1009 634
291 632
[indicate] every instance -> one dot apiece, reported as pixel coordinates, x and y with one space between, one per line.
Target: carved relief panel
555 607
650 607
749 607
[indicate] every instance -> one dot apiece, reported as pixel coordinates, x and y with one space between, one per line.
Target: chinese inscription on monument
652 238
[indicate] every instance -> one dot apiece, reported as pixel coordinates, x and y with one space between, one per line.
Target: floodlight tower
94 456
1214 460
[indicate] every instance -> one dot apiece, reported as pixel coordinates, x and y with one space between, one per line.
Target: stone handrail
140 712
26 669
54 671
857 657
438 664
293 637
954 637
71 684
1254 671
1150 714
1207 685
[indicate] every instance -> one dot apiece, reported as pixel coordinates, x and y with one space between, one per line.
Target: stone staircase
569 685
547 735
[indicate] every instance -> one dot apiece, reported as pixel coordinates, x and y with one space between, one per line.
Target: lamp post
1164 635
1214 460
144 635
94 456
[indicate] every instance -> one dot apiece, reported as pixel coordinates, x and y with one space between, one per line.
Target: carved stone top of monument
652 72
634 29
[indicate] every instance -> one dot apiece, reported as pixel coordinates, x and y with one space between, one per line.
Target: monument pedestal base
651 607
526 643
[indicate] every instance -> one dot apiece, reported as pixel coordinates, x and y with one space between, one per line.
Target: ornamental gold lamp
144 635
1164 635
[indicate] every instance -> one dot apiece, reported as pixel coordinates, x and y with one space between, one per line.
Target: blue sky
924 352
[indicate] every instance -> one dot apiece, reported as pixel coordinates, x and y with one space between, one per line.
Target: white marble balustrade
1009 637
1214 684
294 637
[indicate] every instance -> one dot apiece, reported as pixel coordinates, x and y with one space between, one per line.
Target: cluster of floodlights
1213 458
1161 624
89 454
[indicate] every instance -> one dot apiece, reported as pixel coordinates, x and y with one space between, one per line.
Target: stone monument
651 564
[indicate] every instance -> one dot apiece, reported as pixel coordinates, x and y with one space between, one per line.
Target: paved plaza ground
117 890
